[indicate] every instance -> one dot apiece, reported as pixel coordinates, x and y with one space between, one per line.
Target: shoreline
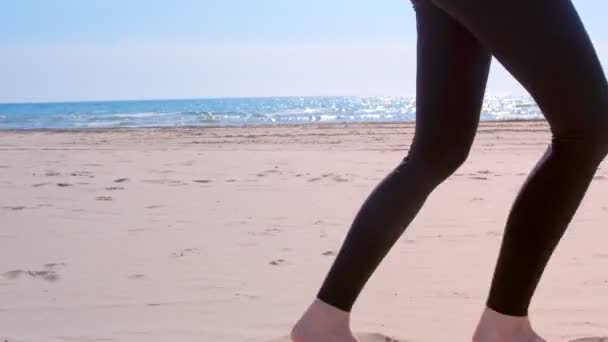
263 126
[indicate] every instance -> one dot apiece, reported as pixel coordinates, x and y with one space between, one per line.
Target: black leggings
544 45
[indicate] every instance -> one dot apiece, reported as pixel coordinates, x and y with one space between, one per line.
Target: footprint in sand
50 276
37 185
176 183
103 198
155 206
14 208
277 262
63 185
334 177
202 181
330 253
112 188
136 276
269 172
121 180
52 174
479 178
591 339
49 273
245 295
373 337
155 181
184 252
82 174
265 232
340 179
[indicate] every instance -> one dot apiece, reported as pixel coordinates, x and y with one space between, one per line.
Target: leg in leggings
452 74
545 46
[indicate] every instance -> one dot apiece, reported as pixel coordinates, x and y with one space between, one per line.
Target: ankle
321 316
495 326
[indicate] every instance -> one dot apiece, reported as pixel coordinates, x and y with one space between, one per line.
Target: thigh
544 44
452 73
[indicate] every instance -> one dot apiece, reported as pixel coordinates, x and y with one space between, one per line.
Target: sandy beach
224 234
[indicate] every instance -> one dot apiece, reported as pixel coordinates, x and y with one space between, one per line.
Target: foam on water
245 111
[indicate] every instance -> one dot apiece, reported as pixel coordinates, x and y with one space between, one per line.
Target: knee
589 143
440 164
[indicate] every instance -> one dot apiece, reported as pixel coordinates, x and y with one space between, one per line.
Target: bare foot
323 323
496 327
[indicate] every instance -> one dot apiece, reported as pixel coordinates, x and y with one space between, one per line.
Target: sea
238 112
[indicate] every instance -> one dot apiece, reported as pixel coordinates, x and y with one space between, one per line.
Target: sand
224 234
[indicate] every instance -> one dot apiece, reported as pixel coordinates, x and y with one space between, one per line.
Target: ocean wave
239 112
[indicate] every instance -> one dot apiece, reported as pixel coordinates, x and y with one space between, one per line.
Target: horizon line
223 98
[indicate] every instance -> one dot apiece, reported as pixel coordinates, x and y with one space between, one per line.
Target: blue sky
109 49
